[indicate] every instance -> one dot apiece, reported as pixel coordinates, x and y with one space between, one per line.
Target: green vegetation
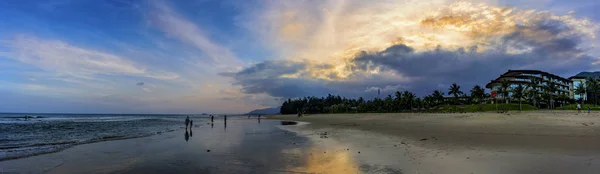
522 97
401 101
593 85
484 108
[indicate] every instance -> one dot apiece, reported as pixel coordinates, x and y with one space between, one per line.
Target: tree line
405 101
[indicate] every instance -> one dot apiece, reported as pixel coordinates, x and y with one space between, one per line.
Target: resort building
577 81
524 77
581 79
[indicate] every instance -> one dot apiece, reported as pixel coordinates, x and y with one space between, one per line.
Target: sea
23 135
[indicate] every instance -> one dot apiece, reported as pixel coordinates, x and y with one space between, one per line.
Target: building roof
517 74
538 72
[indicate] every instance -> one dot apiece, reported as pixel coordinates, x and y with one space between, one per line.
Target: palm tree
593 86
550 90
408 98
455 90
504 89
518 94
438 97
532 90
388 103
428 101
563 99
478 93
580 90
419 103
398 100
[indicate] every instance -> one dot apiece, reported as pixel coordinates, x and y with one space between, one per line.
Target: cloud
289 79
140 84
176 26
147 89
390 47
65 59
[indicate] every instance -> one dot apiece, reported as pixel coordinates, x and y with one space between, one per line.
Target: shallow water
242 146
31 134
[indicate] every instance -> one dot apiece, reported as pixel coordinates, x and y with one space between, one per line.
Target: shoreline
69 145
241 146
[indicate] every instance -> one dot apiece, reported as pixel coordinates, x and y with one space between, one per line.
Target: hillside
265 111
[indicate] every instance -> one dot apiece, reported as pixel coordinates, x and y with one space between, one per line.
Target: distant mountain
265 111
589 74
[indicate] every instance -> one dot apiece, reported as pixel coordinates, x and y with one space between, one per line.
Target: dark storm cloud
547 44
140 84
265 78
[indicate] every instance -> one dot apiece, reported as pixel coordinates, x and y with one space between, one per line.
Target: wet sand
527 142
244 146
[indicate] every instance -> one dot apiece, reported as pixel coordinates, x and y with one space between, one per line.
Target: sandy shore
527 142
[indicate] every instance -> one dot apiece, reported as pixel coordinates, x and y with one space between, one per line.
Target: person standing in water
225 119
191 124
187 121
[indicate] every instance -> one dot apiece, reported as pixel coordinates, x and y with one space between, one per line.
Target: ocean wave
15 151
21 120
36 145
24 116
51 133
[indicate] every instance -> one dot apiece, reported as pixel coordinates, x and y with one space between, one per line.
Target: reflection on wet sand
319 161
187 135
243 147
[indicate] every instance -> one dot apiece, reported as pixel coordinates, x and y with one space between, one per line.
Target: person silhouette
187 121
187 136
190 131
225 120
212 117
191 124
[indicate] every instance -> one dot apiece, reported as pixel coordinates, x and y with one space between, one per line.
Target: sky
226 56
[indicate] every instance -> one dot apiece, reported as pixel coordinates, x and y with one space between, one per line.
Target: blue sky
194 56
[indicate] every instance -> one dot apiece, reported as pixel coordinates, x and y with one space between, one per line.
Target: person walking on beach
578 107
191 124
225 119
187 121
212 117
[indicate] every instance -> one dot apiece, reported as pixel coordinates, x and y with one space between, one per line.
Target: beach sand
527 142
